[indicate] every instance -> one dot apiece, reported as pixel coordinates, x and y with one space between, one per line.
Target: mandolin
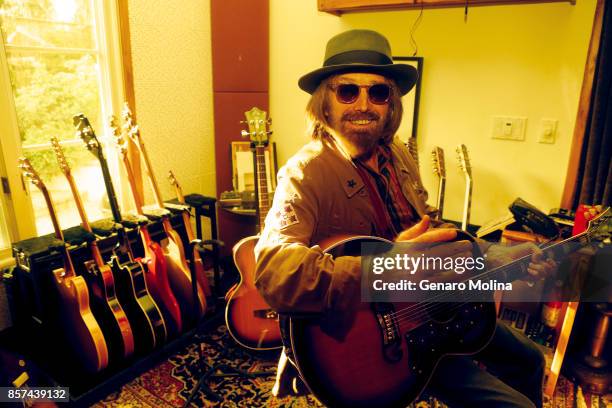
156 273
143 313
250 320
389 351
80 325
105 305
179 273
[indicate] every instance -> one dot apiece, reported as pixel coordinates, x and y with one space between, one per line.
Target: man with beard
356 178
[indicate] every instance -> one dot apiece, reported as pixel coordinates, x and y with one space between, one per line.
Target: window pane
85 170
49 89
53 81
47 23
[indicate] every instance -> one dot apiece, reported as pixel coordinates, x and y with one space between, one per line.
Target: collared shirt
399 214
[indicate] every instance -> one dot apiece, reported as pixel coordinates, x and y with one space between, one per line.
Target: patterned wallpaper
171 56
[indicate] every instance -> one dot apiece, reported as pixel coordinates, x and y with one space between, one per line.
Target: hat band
358 57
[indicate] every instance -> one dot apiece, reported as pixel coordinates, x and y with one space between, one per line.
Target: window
58 59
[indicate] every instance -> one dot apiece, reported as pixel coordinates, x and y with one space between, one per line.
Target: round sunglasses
378 94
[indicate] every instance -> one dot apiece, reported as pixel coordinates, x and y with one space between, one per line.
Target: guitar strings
421 307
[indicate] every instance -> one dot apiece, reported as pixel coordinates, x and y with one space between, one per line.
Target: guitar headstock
257 121
173 181
87 134
130 128
464 160
29 173
413 149
437 155
600 227
120 141
59 154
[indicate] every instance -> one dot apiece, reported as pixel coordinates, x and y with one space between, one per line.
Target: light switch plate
509 127
548 131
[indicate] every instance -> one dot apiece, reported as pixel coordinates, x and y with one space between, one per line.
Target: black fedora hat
360 51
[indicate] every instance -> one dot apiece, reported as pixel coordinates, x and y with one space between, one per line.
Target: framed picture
243 166
410 120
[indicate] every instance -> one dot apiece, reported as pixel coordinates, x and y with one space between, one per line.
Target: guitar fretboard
262 185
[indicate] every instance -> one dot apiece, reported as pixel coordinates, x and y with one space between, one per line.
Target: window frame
17 205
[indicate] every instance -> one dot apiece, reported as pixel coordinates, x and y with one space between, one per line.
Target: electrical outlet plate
509 128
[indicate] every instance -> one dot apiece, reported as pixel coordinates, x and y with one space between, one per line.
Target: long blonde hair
318 127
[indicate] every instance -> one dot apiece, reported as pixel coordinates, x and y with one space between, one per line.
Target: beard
362 139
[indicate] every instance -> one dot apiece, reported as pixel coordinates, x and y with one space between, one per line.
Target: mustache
368 115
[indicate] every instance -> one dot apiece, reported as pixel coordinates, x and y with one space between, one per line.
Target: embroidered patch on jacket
286 216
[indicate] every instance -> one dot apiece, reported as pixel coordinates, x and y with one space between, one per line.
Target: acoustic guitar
80 326
466 169
156 273
173 250
105 305
386 357
143 313
199 264
250 320
440 171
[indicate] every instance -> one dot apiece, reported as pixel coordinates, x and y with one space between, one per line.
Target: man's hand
419 233
540 267
425 239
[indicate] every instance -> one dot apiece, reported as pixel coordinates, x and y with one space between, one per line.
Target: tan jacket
321 195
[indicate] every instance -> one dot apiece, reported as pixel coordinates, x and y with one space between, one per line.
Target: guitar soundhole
444 314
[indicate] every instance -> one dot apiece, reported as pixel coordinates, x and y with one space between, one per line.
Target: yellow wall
171 55
516 60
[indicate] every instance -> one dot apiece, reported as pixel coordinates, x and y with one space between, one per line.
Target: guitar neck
68 266
467 203
263 199
56 226
412 148
132 181
110 190
518 268
149 170
440 200
95 251
181 199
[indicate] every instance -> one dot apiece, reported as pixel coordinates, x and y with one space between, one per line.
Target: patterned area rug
170 383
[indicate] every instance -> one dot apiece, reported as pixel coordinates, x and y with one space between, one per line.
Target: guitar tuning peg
244 133
269 121
269 132
244 121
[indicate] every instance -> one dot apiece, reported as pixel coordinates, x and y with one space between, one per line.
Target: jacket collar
345 169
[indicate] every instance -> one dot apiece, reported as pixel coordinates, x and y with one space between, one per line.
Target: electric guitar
174 252
143 313
199 265
440 171
156 273
250 320
81 327
106 307
388 353
466 169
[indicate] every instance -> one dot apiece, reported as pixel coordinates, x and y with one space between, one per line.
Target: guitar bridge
389 331
266 314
